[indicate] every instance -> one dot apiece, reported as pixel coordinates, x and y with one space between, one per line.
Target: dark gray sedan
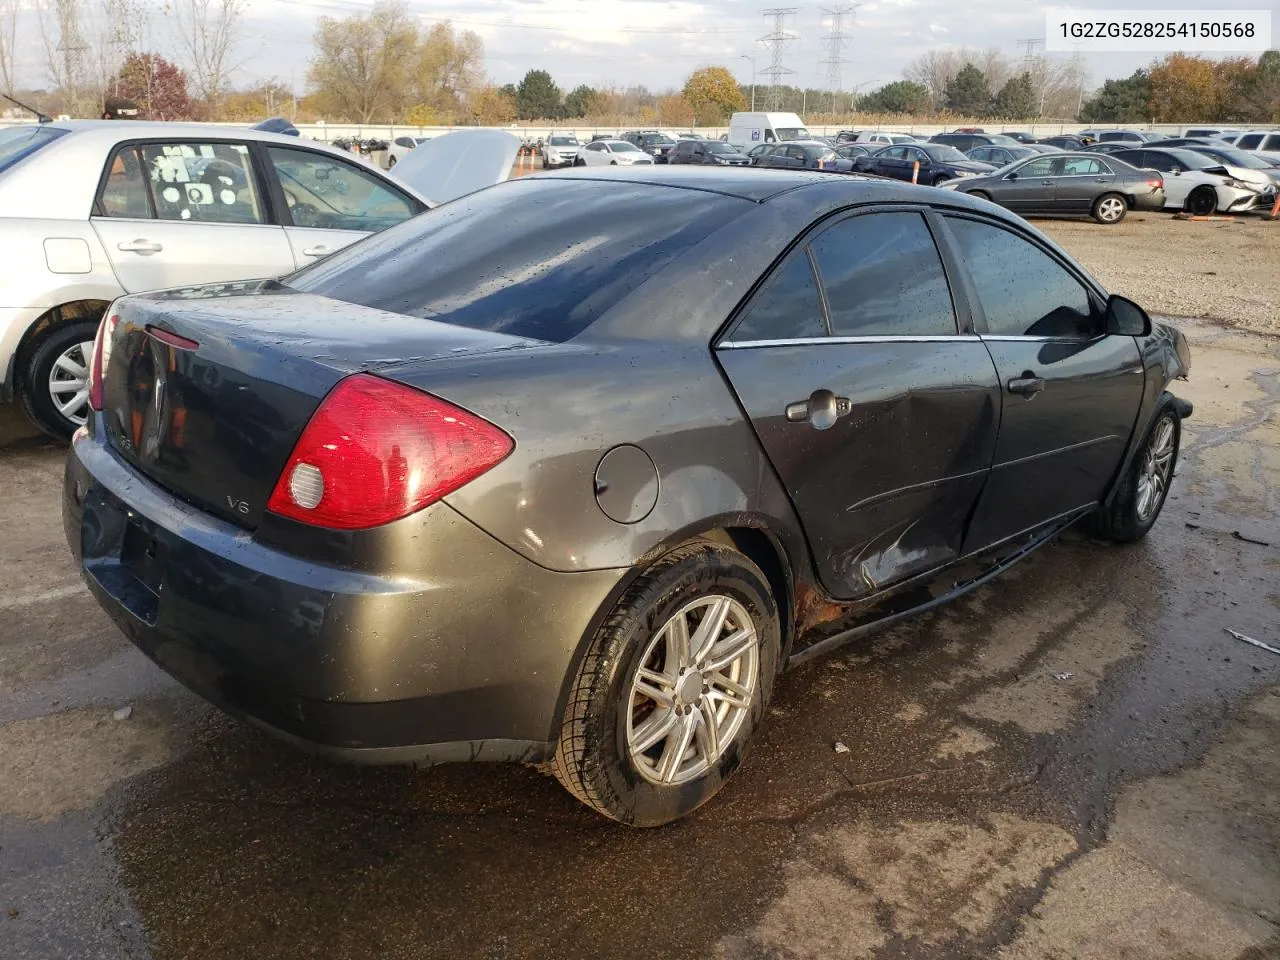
569 470
1070 184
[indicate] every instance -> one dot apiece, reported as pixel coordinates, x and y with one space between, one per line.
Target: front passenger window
322 191
1023 291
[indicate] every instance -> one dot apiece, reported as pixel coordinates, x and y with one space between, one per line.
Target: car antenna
40 117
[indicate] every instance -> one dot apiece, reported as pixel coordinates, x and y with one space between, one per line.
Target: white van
747 130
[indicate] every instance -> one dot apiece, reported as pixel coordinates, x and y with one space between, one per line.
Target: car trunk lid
206 392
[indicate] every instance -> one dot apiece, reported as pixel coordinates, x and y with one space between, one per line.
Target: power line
777 42
835 40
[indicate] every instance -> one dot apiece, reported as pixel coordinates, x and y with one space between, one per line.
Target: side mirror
1125 318
1012 176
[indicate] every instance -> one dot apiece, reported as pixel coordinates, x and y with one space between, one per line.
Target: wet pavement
1075 761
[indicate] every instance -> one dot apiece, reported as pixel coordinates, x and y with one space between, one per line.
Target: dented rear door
879 415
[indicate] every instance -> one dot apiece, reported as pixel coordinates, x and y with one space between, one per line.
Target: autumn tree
156 85
361 69
448 65
675 111
1263 98
270 98
208 32
538 97
713 94
580 101
1183 88
1120 101
491 107
1016 99
968 92
900 96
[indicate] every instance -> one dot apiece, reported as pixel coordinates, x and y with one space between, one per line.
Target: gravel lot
1224 270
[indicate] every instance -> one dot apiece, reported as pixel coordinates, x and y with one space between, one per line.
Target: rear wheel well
765 553
50 320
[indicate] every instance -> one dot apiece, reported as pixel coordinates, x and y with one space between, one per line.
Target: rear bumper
1149 201
462 654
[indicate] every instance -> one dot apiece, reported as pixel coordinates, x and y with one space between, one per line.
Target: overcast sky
623 42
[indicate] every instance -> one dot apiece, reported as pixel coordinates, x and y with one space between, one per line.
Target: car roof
761 184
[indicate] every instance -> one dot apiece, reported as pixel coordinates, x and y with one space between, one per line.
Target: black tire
545 165
391 163
592 759
579 162
1202 201
33 385
1123 521
613 163
939 180
1109 209
981 195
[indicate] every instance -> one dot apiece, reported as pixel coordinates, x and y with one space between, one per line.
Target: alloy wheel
1110 209
1156 469
693 690
69 382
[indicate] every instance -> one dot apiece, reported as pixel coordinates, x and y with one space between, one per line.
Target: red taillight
1155 184
376 451
101 348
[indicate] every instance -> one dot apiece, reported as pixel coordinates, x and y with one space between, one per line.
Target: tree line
382 65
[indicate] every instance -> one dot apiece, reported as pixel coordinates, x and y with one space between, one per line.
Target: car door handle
1027 385
141 245
820 411
317 251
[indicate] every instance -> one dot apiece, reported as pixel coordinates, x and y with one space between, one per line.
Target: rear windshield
539 257
18 143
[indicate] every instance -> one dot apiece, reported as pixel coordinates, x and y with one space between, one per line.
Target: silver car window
323 191
202 182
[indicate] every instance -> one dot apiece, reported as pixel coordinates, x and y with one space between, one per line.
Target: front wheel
1145 485
54 390
1202 201
939 180
391 163
579 162
672 689
981 195
1109 208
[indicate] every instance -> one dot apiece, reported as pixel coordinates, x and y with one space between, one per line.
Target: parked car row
92 210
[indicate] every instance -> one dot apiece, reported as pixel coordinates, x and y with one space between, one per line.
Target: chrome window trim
1022 338
812 341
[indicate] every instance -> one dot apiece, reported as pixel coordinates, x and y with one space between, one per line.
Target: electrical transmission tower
835 41
777 42
1033 66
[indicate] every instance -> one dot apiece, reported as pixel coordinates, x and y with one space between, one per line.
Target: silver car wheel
1157 466
693 690
69 382
1110 209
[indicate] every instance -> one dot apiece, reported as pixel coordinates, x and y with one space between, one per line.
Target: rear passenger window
202 182
787 307
1023 291
883 277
